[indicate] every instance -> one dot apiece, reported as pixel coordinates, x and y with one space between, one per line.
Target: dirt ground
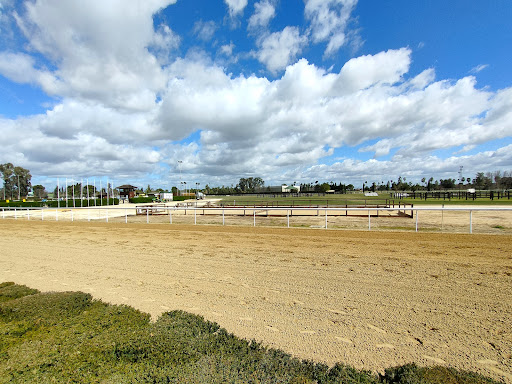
369 299
491 220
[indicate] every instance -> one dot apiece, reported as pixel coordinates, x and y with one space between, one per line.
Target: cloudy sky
287 90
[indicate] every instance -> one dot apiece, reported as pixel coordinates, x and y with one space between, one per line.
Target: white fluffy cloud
264 11
329 20
100 53
236 7
279 49
126 107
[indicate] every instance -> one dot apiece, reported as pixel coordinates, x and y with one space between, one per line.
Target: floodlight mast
179 168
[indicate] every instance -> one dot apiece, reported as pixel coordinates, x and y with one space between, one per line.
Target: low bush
141 200
82 203
10 291
62 204
411 373
71 338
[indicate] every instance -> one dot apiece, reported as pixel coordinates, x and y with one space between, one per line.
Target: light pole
179 167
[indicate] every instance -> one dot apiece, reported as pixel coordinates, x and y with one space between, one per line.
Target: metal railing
106 212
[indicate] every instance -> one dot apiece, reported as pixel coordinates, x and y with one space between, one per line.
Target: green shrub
21 204
141 200
62 204
10 291
82 203
412 374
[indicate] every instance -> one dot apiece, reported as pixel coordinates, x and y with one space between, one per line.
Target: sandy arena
369 299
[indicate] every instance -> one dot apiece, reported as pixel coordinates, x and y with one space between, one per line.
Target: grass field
70 338
350 199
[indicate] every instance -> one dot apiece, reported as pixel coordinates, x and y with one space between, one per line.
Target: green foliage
180 198
54 203
10 291
141 200
71 338
250 184
412 374
16 180
21 204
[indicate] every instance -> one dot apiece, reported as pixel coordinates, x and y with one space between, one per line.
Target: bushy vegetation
71 338
181 198
54 203
141 200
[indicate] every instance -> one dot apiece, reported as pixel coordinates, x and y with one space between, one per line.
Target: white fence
119 213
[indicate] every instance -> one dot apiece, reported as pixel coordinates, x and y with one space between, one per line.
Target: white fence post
289 213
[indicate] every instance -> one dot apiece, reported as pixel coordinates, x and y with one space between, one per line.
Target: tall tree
250 184
17 180
39 191
7 170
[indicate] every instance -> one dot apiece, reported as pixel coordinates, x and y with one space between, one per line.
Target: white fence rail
106 212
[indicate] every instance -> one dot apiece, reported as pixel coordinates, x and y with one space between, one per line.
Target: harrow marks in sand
369 299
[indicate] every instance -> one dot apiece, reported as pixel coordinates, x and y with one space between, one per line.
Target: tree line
17 185
497 180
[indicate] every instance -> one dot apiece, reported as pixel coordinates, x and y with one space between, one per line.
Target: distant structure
279 189
126 192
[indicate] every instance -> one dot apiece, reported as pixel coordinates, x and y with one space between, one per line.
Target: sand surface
493 219
369 299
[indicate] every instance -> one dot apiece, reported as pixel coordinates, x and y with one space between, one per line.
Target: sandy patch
369 299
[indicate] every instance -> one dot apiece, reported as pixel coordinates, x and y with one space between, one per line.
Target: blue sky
294 90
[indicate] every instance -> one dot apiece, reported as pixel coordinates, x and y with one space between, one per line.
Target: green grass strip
352 199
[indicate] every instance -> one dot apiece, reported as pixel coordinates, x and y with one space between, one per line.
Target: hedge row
62 204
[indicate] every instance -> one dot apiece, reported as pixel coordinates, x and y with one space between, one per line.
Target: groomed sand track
369 299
